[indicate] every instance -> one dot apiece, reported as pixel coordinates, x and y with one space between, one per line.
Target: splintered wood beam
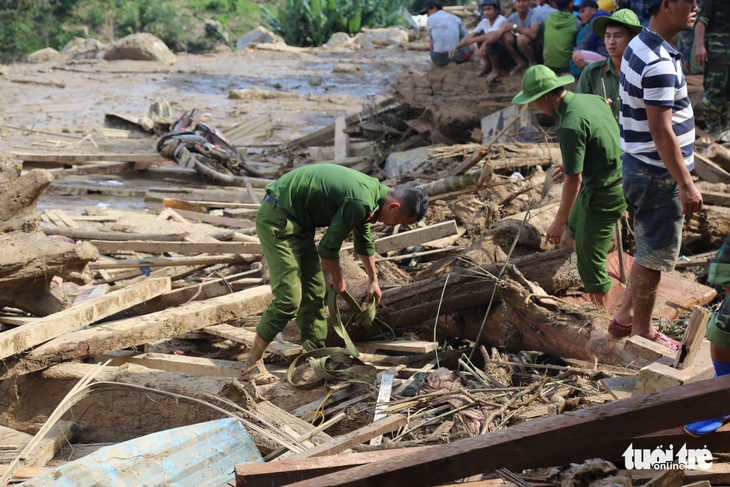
361 435
44 329
403 346
581 434
200 366
139 330
413 237
693 336
169 262
152 247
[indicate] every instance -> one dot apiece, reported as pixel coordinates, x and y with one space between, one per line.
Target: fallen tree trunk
30 260
720 155
710 222
417 303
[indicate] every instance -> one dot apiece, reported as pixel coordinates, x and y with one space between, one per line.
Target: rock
347 68
140 47
80 48
315 81
382 37
43 55
407 162
341 39
259 35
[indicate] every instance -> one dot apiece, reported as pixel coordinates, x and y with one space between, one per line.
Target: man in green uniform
601 78
319 195
592 199
712 50
561 28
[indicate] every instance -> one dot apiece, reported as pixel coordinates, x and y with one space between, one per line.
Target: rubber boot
707 426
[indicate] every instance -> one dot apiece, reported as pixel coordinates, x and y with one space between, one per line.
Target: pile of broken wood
499 363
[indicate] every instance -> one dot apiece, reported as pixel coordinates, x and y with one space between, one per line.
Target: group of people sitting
548 34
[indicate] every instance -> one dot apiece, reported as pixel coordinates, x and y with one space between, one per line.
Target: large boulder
80 48
43 55
259 35
140 47
382 37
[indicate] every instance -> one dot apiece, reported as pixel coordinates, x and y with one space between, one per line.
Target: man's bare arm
333 267
660 127
368 262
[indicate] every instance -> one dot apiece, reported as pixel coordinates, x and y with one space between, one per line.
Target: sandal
663 339
258 374
619 330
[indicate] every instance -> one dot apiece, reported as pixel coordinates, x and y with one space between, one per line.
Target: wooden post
693 336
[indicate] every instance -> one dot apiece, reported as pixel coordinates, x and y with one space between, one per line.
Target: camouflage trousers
716 100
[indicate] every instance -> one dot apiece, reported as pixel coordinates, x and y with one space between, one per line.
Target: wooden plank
581 434
361 435
386 385
44 329
342 139
715 198
404 346
87 158
286 471
199 366
242 335
645 348
23 473
198 292
693 336
60 434
222 221
141 330
414 237
82 234
426 368
620 387
152 247
710 171
206 260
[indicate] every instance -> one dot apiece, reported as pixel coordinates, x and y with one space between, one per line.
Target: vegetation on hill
187 25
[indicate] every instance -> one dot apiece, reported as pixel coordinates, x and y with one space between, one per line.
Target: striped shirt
651 74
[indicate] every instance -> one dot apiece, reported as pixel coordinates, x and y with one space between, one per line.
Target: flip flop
663 339
705 427
619 330
258 374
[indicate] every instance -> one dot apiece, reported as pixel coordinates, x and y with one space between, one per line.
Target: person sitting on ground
487 34
592 198
718 333
445 31
601 78
560 30
520 36
589 48
307 198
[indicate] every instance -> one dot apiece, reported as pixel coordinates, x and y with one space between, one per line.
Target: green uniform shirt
589 140
327 195
715 14
590 82
560 31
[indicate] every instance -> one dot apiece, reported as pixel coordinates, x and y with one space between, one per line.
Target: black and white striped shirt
651 74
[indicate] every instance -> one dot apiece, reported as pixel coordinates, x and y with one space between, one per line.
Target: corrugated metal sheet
199 455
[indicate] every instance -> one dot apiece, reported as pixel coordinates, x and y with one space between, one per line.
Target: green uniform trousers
716 99
591 224
297 282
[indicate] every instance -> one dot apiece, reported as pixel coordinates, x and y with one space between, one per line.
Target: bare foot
258 374
483 71
519 68
493 76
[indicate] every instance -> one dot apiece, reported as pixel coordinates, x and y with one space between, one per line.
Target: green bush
312 22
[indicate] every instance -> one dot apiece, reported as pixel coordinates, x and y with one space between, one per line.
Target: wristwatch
514 26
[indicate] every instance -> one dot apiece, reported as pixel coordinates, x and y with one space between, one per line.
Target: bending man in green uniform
319 195
592 199
601 78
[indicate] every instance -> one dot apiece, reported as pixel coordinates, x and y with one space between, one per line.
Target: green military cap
537 81
625 17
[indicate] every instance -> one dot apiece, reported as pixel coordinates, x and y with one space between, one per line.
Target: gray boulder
140 47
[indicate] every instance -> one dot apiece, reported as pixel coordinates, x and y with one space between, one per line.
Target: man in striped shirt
657 136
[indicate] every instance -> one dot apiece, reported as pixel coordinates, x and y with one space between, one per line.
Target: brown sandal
258 374
619 330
